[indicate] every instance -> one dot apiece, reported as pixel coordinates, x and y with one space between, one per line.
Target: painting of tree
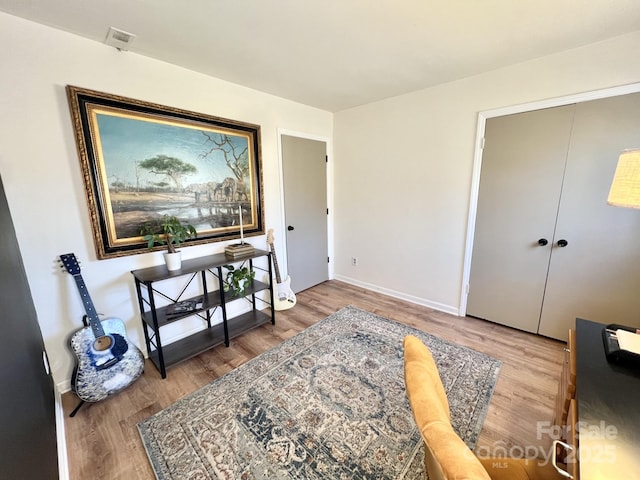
170 167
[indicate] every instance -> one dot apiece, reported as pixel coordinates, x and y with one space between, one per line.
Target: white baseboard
63 459
402 296
64 386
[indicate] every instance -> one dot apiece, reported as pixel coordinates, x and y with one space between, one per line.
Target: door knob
562 243
290 228
542 242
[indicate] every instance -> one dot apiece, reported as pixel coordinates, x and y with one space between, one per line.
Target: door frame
483 116
329 180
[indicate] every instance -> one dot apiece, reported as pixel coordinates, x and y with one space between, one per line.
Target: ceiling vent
119 38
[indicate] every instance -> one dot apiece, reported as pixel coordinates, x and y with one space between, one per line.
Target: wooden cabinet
566 414
573 467
567 385
158 298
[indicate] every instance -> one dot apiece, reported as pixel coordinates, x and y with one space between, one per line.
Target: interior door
596 276
523 164
305 196
28 435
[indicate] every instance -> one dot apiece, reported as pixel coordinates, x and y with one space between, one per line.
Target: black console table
208 273
608 395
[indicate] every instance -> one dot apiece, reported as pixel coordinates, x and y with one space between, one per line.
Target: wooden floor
103 440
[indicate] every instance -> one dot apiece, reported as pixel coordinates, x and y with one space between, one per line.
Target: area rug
329 403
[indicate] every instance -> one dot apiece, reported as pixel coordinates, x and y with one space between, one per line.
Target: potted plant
170 231
237 279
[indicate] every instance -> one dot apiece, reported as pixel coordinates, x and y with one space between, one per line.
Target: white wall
403 168
41 172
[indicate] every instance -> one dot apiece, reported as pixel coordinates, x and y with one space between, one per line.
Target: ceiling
336 54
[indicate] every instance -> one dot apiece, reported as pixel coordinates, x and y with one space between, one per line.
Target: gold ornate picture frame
141 161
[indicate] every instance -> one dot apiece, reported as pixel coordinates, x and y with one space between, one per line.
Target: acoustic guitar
106 362
285 298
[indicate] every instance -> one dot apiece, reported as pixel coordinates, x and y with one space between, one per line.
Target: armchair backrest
447 457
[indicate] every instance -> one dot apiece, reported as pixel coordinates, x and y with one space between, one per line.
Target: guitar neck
275 263
90 310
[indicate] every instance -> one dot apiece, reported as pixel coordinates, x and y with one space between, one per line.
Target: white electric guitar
285 298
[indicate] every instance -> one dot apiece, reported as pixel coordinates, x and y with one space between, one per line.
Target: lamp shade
625 188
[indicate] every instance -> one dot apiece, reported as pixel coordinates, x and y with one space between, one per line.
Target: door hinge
482 143
328 260
326 158
327 211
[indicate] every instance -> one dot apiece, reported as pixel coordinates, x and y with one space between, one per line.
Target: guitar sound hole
102 343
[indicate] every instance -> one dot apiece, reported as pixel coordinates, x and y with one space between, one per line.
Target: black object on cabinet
28 448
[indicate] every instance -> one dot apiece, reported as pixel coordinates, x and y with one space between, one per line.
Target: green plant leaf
169 231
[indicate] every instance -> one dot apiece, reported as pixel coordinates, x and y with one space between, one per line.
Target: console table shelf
155 317
246 321
188 347
210 300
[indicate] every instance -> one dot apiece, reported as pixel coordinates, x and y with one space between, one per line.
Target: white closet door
597 275
520 185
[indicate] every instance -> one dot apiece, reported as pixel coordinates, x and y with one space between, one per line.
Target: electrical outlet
354 261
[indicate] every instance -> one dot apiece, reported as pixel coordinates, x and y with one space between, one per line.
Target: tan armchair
447 457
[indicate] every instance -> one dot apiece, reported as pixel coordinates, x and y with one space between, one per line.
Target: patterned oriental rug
329 403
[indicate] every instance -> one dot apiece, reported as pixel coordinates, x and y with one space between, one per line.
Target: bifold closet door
521 178
597 274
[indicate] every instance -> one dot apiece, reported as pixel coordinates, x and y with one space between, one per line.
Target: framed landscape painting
141 161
